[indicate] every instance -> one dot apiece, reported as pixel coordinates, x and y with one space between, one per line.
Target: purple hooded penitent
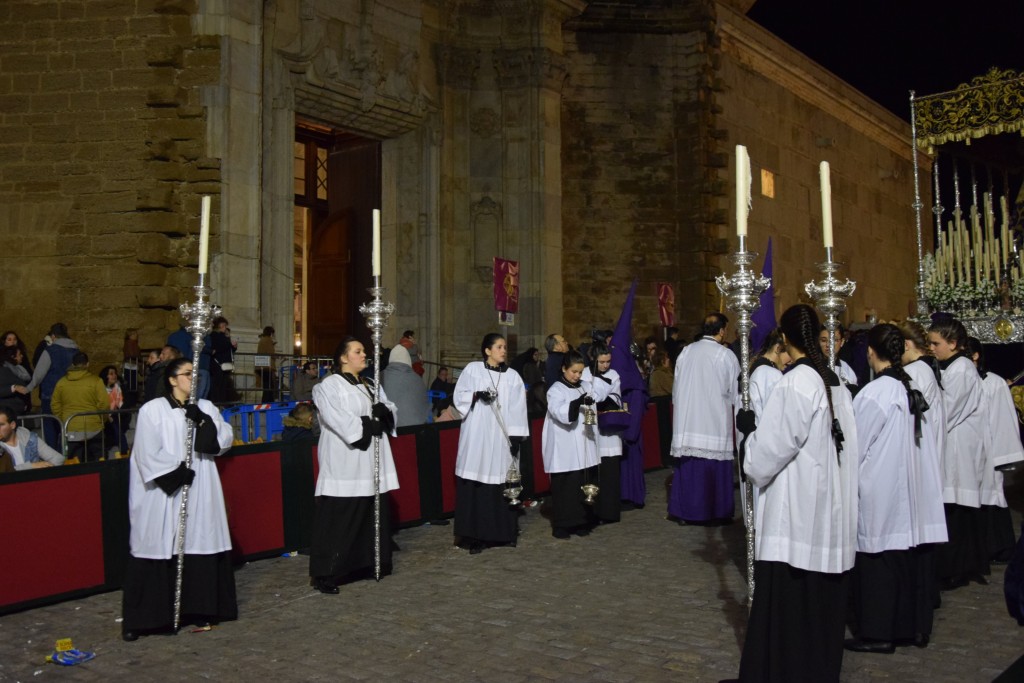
634 394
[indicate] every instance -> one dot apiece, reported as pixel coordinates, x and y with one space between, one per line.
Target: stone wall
103 162
640 163
791 115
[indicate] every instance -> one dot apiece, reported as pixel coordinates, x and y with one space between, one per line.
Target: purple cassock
634 394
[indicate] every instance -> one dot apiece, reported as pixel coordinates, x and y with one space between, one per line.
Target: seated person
22 448
442 385
301 423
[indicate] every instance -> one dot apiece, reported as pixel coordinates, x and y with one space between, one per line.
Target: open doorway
337 185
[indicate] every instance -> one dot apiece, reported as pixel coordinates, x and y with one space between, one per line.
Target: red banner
666 304
506 285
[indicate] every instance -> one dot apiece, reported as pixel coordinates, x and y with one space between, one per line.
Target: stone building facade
590 141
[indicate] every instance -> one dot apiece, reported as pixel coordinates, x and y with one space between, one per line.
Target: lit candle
742 190
376 242
204 236
826 204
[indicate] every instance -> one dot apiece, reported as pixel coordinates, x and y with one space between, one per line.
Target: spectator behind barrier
80 391
301 423
21 447
13 378
442 385
307 378
405 389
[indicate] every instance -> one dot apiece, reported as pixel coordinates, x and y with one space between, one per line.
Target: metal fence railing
86 446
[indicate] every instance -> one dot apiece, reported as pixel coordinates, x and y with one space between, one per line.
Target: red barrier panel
651 438
53 538
252 495
407 498
449 442
541 480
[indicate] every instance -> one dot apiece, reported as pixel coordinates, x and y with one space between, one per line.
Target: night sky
885 48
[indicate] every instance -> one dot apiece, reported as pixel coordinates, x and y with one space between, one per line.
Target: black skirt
568 511
608 504
342 546
796 626
483 515
885 596
207 592
999 538
965 556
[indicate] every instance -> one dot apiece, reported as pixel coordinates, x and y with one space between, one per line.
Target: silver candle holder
830 295
742 291
376 312
198 316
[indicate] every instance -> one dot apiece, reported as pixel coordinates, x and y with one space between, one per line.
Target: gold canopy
988 105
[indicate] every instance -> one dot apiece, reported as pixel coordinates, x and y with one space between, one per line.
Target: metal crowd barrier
123 419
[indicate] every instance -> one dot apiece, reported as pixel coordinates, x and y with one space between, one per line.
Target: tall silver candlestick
198 316
830 297
377 311
742 291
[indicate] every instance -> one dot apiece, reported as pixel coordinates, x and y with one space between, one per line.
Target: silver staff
376 312
198 315
742 291
830 296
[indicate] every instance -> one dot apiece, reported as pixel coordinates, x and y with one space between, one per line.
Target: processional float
972 135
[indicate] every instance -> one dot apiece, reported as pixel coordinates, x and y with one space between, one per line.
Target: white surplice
926 478
703 395
808 505
484 454
567 446
885 434
159 449
1002 438
346 471
608 445
964 456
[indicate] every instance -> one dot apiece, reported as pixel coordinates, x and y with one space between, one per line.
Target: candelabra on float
198 316
377 312
742 291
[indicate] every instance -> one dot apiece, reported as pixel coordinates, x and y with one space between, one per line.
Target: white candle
742 189
376 242
826 204
204 236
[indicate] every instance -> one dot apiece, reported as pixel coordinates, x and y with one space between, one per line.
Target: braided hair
801 326
974 347
888 343
914 333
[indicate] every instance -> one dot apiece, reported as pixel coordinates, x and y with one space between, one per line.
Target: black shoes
129 636
875 647
325 586
561 533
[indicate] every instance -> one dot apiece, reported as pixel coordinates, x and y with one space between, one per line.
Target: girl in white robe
157 473
889 430
803 455
1002 450
604 384
964 558
570 450
342 546
492 399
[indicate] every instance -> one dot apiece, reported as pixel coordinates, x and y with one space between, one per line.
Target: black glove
195 413
175 479
588 400
514 443
382 413
746 422
372 427
574 408
484 397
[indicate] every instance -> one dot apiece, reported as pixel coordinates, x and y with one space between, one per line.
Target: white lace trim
706 453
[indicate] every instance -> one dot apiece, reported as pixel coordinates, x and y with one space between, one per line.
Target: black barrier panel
297 487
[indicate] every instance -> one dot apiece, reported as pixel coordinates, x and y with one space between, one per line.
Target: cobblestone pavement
642 600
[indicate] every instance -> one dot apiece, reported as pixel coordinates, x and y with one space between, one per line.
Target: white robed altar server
703 396
492 400
605 385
